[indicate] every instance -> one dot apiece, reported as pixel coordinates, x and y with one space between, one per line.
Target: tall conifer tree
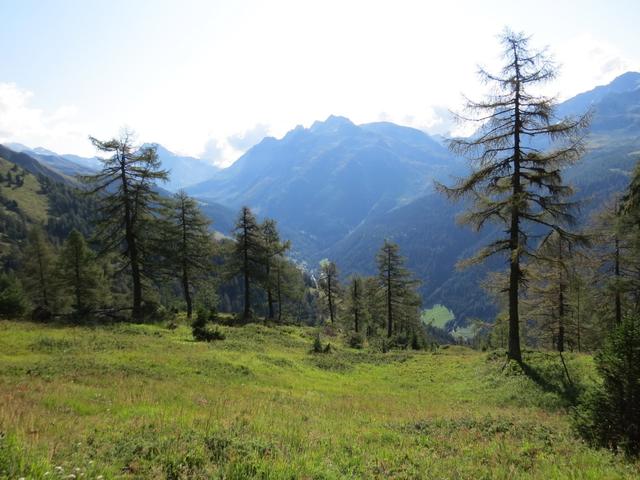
249 253
517 156
188 243
128 203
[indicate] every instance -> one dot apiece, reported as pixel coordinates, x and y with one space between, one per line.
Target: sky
212 78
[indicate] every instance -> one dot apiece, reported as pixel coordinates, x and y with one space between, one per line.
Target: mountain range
183 170
338 189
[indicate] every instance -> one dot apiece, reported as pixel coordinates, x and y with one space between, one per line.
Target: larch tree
549 291
609 259
39 269
126 186
79 274
329 284
248 254
517 155
274 249
357 302
189 246
397 285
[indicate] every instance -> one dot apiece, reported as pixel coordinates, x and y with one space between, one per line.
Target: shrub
200 326
610 414
154 312
317 345
355 340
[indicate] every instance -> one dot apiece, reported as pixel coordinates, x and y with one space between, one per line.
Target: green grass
28 197
437 316
139 401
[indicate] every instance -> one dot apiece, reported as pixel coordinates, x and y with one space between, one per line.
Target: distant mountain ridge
183 170
323 181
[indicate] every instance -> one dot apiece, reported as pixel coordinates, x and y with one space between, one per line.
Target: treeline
139 255
385 306
148 257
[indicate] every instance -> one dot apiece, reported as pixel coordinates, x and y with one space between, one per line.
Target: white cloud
247 139
23 123
213 152
587 61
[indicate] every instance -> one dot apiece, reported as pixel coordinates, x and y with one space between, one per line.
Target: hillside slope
28 199
112 401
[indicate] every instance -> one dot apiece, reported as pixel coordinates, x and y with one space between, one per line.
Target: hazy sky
211 78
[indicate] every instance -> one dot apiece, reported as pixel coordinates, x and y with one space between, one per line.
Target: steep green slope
28 199
140 401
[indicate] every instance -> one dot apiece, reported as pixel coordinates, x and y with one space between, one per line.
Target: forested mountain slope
28 199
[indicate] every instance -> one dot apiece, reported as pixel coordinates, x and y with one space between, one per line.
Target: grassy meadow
142 401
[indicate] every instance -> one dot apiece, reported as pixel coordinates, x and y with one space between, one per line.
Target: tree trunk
389 309
43 283
132 247
279 293
185 289
76 268
270 293
578 313
560 300
185 253
330 299
618 299
247 286
514 352
356 300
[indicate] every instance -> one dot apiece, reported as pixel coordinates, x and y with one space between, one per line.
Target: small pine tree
79 276
188 244
200 326
38 270
317 345
12 300
330 286
274 249
610 415
398 286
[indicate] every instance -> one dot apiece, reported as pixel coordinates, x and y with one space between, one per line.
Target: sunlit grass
143 401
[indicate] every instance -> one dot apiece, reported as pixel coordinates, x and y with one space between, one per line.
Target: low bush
201 330
355 340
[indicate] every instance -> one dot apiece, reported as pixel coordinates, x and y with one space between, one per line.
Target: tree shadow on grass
552 375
